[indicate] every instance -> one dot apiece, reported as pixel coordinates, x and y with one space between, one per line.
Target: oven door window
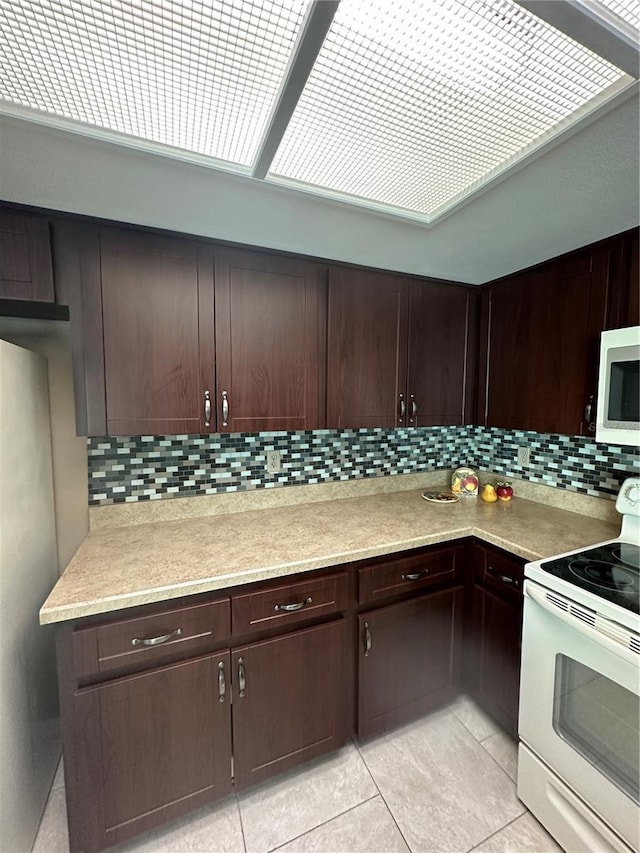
599 719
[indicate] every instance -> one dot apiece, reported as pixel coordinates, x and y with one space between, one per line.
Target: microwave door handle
594 633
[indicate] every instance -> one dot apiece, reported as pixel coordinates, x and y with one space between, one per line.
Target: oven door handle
605 633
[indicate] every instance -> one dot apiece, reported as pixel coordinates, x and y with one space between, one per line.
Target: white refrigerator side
29 729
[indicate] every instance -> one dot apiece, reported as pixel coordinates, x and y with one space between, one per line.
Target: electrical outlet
524 456
274 465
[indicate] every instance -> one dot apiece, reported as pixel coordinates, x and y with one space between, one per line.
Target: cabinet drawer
288 604
501 572
402 574
158 637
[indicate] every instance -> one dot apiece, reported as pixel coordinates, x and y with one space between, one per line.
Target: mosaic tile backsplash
142 468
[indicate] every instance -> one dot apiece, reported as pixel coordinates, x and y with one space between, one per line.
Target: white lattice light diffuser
627 10
198 75
411 106
414 104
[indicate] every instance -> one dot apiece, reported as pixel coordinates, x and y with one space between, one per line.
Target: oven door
579 707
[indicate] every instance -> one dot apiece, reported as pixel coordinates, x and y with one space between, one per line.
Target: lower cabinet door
288 701
150 748
409 659
498 637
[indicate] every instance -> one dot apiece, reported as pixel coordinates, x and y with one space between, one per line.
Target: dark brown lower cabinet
156 701
494 632
152 746
409 658
288 701
498 666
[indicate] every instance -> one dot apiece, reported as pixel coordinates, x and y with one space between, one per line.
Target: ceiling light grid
627 10
411 105
196 75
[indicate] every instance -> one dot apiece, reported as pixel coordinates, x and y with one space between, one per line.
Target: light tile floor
443 784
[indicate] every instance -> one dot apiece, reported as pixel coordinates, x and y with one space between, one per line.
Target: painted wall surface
143 468
583 190
69 458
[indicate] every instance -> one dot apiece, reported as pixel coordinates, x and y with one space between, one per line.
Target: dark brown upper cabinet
541 332
400 352
157 312
623 303
25 257
152 356
442 354
366 349
270 342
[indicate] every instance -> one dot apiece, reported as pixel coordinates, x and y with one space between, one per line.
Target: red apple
504 491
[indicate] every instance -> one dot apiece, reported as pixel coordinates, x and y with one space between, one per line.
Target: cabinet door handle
414 410
242 681
207 408
415 576
156 641
367 640
403 409
225 408
222 684
588 413
503 578
291 608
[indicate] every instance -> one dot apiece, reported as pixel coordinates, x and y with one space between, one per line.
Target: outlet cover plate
274 464
524 456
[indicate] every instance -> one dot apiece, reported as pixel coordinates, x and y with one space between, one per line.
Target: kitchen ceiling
411 107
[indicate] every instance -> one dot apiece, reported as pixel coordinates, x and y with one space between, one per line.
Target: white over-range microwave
618 411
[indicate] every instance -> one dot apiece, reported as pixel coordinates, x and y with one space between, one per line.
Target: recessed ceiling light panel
197 75
627 10
415 103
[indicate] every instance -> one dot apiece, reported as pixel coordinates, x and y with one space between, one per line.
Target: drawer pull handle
503 578
207 408
156 641
291 608
367 640
242 680
414 410
222 684
403 409
415 576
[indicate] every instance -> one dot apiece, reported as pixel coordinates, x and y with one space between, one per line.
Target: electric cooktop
610 570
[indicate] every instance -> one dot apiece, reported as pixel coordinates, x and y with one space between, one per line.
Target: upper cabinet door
367 349
623 307
25 257
270 344
442 340
543 346
157 308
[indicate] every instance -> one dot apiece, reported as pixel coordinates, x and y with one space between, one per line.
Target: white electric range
579 724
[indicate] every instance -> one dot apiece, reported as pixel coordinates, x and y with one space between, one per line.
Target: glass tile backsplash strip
140 468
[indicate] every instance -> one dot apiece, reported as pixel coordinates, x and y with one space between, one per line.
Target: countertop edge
106 605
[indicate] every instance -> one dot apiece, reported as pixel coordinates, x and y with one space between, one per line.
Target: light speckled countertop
127 566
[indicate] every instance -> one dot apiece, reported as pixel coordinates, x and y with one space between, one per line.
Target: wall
69 458
584 189
146 468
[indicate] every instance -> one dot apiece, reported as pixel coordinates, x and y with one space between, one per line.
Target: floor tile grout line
502 828
495 761
324 823
364 761
244 840
387 806
474 736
